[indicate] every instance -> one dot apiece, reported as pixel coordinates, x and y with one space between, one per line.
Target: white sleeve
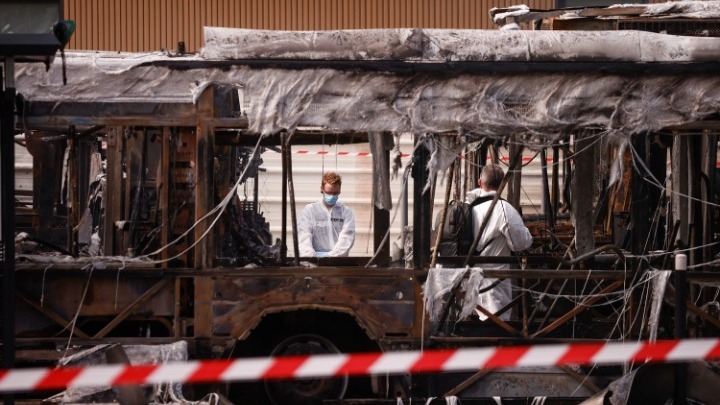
346 238
471 195
305 232
517 234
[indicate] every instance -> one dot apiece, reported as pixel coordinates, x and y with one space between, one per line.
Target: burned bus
153 175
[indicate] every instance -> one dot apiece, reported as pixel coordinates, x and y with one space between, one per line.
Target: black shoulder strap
483 199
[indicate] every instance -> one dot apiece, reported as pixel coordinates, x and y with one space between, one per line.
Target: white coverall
323 232
505 232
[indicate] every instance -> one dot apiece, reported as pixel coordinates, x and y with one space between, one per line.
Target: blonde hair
331 178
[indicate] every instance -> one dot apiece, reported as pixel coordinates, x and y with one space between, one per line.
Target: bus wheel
307 390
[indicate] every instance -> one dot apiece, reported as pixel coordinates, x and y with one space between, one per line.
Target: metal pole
7 203
680 311
380 216
422 209
283 218
556 179
404 206
549 208
291 190
443 215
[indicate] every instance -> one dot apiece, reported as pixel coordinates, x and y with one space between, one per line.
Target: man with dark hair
504 233
326 228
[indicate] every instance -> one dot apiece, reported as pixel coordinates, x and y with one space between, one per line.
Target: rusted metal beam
465 384
579 308
381 216
135 203
164 191
291 192
422 211
204 199
555 182
583 193
283 199
128 310
548 207
53 316
74 215
549 311
681 172
441 224
694 308
112 201
41 341
143 270
126 394
177 311
498 321
513 186
582 379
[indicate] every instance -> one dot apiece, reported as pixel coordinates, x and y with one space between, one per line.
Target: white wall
23 174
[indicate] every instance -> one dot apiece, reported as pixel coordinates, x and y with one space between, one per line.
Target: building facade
154 25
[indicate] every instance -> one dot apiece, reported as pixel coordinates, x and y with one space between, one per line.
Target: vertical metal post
645 198
547 204
514 191
291 188
443 215
381 216
73 203
582 201
7 203
422 209
710 168
555 178
204 201
283 218
404 208
680 311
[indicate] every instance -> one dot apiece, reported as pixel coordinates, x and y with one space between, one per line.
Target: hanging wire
217 210
406 175
73 322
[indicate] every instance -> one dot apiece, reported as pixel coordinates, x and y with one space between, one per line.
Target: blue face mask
330 199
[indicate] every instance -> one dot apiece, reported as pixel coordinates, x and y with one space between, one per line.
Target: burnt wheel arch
339 329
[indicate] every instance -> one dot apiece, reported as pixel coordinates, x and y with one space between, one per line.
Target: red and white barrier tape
253 369
340 153
525 159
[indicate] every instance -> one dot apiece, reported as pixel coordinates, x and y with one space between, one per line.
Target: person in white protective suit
504 233
326 228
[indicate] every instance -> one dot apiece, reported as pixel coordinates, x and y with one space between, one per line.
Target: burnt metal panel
382 304
92 295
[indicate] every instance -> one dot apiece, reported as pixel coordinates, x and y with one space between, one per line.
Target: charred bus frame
174 152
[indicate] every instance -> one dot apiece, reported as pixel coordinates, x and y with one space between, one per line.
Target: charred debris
135 233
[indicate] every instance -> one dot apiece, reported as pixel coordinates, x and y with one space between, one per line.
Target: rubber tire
305 391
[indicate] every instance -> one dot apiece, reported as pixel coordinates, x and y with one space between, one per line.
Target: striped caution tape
340 153
331 365
525 159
